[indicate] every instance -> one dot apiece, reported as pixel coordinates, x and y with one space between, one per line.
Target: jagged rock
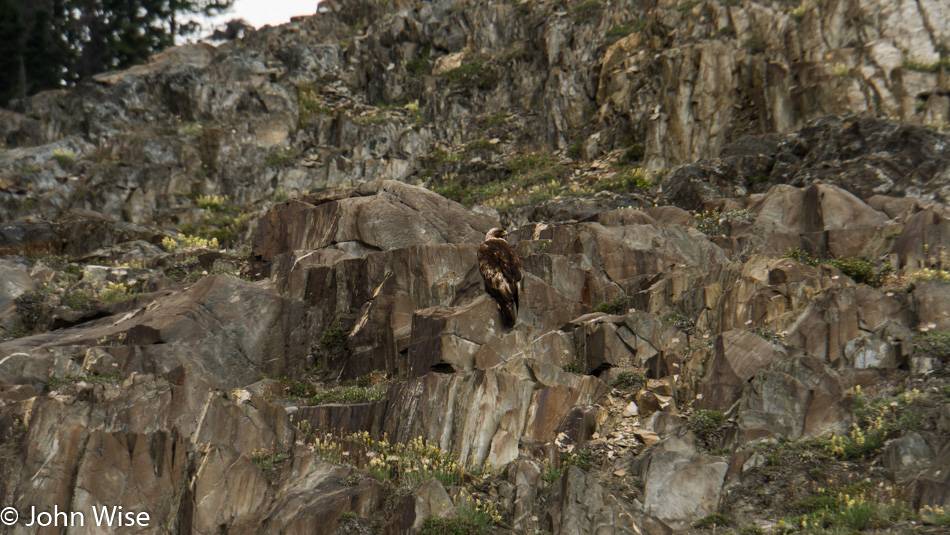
14 282
933 486
428 500
582 506
402 216
484 415
681 485
525 475
739 354
931 304
855 325
823 220
199 326
907 455
793 399
636 339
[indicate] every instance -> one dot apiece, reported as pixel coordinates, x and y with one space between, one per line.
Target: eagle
500 267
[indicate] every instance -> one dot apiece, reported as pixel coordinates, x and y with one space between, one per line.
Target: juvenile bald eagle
501 269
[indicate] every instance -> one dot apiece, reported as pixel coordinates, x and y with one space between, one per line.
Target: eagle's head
496 233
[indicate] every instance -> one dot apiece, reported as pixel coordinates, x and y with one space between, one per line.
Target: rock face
311 349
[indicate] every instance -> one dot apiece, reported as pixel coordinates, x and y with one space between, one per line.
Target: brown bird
501 268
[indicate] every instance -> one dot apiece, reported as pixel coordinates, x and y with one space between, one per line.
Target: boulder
793 399
581 505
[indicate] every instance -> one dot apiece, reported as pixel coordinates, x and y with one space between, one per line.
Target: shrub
616 306
630 379
334 335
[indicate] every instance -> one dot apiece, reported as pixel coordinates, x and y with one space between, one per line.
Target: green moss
475 74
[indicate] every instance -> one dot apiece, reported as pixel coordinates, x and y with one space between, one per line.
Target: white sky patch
262 12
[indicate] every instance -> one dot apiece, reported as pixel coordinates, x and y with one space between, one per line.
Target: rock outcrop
238 293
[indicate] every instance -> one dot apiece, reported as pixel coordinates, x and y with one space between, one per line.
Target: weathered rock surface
741 302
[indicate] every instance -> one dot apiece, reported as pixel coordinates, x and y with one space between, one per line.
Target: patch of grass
686 5
281 157
935 343
418 65
352 481
55 382
349 394
914 64
629 380
715 519
707 425
309 103
29 306
715 224
861 271
475 74
79 300
268 461
213 203
623 30
671 317
184 241
26 206
550 474
190 129
498 118
580 458
574 149
405 465
65 158
616 306
801 256
754 45
583 12
876 422
634 179
847 511
470 521
376 118
576 367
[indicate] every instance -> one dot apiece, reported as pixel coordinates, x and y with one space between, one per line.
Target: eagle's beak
504 233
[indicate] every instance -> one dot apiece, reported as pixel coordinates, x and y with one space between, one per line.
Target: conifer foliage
45 44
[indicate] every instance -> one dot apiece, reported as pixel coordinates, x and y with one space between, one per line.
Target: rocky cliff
239 293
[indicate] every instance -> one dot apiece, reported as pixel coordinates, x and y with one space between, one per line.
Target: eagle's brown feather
501 269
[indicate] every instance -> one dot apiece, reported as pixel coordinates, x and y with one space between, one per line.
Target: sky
273 12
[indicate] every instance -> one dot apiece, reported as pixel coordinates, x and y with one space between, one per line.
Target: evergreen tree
11 31
48 43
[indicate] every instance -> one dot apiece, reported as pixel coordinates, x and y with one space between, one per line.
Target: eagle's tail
509 313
